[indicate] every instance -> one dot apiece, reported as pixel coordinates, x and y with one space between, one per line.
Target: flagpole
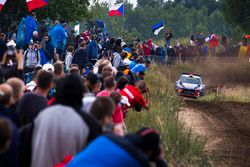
48 10
122 23
123 15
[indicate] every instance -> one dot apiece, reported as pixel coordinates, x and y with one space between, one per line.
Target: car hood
190 86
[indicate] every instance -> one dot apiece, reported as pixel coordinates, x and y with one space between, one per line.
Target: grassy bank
233 94
181 148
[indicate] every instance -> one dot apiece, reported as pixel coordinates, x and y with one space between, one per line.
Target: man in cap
31 57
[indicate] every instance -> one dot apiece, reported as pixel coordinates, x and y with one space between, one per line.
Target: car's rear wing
191 74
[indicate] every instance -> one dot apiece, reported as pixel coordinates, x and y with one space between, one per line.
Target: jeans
168 43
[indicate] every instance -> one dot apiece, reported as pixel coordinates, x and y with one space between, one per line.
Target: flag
116 10
247 36
100 23
158 27
34 4
2 2
77 29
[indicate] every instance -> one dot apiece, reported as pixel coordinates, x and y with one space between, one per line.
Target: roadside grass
182 147
235 94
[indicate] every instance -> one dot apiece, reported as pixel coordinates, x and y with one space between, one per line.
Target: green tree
180 18
237 12
69 10
211 5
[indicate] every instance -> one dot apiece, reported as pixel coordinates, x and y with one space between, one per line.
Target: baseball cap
48 67
32 42
126 62
125 101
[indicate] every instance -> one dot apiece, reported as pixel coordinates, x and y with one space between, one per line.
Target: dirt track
226 126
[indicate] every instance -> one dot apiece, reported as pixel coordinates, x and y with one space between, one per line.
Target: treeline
183 17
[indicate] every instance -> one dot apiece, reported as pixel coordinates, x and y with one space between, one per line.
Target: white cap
126 62
124 100
11 43
35 33
123 43
48 67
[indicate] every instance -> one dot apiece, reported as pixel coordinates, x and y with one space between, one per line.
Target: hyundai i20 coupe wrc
190 85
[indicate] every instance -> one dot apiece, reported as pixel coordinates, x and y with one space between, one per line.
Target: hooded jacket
93 50
58 131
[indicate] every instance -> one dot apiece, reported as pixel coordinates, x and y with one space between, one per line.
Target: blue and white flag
158 27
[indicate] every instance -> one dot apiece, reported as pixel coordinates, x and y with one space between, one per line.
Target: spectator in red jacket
135 97
146 49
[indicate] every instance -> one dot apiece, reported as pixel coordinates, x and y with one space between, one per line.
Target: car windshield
190 80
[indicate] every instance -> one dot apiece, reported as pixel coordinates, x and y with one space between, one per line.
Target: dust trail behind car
224 71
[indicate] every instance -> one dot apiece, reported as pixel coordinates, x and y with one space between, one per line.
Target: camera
11 51
11 48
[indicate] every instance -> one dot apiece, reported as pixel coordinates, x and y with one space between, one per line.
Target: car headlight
199 88
180 86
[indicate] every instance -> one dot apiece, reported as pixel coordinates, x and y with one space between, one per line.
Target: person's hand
19 55
118 130
19 58
4 59
146 107
161 155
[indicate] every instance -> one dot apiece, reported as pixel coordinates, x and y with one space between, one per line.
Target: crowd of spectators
68 107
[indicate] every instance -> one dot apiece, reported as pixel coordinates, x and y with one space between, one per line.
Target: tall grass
233 94
182 148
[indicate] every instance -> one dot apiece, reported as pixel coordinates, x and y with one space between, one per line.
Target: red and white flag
116 10
34 4
2 2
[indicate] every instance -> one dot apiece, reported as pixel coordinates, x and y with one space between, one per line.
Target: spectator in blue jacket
93 50
136 150
43 57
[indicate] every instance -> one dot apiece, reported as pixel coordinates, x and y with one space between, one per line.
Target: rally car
190 85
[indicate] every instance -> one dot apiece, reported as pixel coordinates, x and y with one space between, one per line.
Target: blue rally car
190 85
